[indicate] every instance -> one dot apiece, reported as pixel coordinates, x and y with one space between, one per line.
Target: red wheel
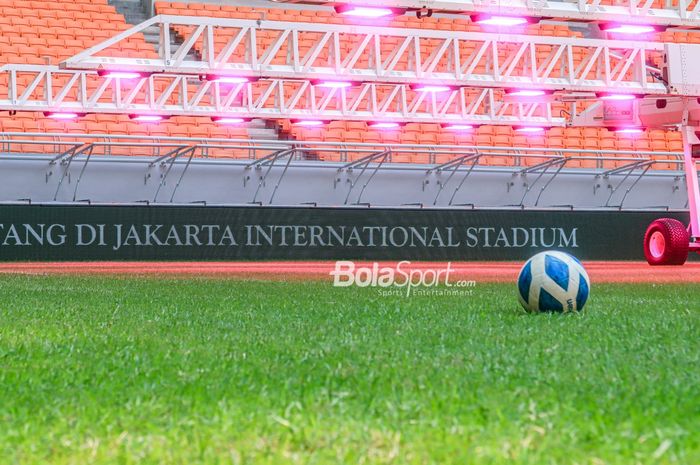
666 242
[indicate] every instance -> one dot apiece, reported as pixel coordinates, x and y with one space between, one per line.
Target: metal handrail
262 148
272 142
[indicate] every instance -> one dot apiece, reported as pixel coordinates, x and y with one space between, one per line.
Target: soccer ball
553 282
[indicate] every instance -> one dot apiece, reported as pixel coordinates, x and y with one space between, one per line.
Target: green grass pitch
102 370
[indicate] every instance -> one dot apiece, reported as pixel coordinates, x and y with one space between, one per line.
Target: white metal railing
114 145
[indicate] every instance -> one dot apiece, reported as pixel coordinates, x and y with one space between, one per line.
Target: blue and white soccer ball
553 281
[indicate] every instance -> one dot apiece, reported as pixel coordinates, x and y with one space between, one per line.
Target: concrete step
133 10
258 124
265 134
152 35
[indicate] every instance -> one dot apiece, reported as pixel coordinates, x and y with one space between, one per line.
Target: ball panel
582 294
538 277
557 270
524 281
549 303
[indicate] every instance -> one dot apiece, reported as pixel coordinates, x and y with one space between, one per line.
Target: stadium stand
46 32
431 134
38 32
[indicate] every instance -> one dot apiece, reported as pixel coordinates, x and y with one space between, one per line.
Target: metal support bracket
191 151
270 161
169 159
628 169
68 153
453 166
68 161
82 171
169 155
364 163
542 168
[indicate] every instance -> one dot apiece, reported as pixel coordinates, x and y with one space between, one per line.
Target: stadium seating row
41 32
500 136
593 139
48 32
337 131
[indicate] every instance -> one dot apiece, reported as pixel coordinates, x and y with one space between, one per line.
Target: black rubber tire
673 249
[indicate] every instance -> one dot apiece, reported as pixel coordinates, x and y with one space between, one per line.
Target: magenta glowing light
497 20
334 84
431 88
617 97
384 125
122 74
629 130
62 115
231 80
228 79
364 11
307 122
526 92
530 129
228 120
147 118
628 28
459 127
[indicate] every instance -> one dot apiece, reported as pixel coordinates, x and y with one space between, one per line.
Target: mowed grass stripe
186 371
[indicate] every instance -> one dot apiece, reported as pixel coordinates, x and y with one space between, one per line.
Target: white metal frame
47 88
682 13
292 50
691 180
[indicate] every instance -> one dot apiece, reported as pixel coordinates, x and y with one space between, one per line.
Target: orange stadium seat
39 32
47 32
